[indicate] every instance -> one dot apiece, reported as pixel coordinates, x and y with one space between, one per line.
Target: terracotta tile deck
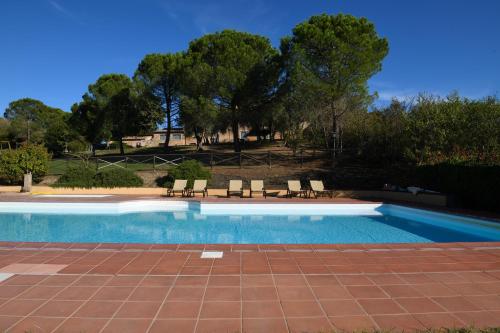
253 288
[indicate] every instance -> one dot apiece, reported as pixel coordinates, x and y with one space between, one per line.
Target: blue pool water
190 227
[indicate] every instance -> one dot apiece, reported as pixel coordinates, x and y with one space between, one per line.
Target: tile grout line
45 301
83 304
168 292
316 298
278 295
241 290
359 305
85 301
123 302
203 297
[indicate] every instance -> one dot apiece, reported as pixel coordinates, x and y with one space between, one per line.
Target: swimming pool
181 222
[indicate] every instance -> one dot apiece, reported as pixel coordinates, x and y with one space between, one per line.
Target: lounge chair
199 186
257 186
318 189
179 187
235 187
294 188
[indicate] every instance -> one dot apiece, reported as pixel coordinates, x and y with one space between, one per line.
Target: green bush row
472 186
87 177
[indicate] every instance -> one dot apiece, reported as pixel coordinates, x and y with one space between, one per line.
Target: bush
189 170
77 146
473 186
34 159
117 178
86 177
30 158
10 170
77 176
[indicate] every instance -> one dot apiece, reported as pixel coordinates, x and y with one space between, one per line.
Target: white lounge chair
257 186
294 188
318 189
199 186
179 187
235 187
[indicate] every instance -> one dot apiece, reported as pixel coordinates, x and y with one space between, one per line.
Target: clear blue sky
52 49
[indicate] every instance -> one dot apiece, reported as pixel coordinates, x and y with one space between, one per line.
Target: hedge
77 176
87 177
117 178
472 186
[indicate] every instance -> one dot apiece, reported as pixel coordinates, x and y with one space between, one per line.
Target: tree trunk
122 150
236 135
28 181
199 139
335 128
272 131
169 121
235 126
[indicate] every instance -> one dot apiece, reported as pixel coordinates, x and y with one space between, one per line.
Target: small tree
32 161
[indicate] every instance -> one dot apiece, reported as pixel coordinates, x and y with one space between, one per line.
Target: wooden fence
159 162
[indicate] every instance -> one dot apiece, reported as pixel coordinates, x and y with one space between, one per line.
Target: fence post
269 158
96 163
211 160
301 158
126 162
154 162
239 156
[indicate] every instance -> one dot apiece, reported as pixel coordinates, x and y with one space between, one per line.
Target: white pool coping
135 206
290 209
94 208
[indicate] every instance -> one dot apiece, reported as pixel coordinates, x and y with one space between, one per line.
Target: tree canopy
114 108
31 121
159 75
336 54
229 60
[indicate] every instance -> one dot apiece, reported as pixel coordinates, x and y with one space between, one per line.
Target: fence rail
161 162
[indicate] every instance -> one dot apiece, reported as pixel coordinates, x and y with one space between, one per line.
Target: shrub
117 178
29 158
77 176
189 170
87 177
77 146
10 170
34 159
473 186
